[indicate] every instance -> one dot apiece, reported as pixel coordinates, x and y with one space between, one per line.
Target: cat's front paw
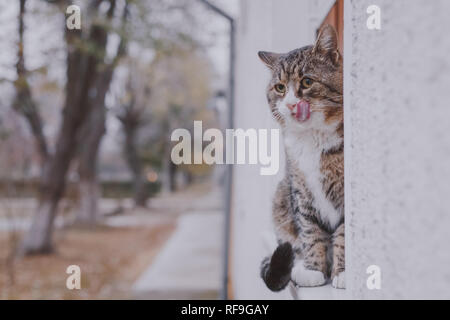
339 281
307 278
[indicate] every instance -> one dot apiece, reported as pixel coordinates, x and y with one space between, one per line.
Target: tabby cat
305 95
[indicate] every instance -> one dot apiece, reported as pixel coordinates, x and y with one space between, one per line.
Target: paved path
190 264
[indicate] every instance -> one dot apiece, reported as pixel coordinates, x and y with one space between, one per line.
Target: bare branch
23 101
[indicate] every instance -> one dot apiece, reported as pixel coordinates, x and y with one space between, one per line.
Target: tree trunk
82 72
81 69
90 193
24 102
172 176
134 163
140 192
89 188
169 171
38 239
90 139
91 136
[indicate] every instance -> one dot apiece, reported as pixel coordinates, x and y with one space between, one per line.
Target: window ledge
318 293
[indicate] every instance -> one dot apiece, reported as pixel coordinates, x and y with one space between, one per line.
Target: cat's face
305 91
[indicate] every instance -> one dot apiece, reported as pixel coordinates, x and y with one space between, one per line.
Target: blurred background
85 172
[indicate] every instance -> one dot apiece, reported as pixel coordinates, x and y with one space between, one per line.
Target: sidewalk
190 264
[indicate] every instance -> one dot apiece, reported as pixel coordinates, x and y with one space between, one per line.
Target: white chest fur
305 150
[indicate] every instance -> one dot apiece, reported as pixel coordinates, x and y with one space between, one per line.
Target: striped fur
308 210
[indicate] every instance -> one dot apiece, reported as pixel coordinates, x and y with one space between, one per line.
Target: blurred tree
89 73
183 81
176 91
86 51
24 102
94 129
131 113
159 19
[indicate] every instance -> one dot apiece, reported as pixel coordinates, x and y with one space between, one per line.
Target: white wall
272 25
397 142
398 148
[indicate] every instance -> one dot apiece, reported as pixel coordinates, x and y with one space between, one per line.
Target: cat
305 96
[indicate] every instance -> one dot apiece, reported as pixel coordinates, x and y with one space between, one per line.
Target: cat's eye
280 88
307 83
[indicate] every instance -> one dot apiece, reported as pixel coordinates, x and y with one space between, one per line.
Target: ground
108 265
111 256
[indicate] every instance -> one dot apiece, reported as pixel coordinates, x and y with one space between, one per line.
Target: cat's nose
291 106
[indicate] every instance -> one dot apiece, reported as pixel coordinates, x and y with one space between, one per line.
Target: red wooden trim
335 17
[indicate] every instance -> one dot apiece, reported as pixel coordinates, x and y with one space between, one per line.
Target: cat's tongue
303 111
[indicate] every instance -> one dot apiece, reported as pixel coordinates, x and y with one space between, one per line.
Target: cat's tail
276 270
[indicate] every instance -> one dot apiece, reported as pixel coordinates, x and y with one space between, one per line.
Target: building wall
271 25
398 148
397 143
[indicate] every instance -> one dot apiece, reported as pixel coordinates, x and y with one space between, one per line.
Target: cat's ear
269 58
327 44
